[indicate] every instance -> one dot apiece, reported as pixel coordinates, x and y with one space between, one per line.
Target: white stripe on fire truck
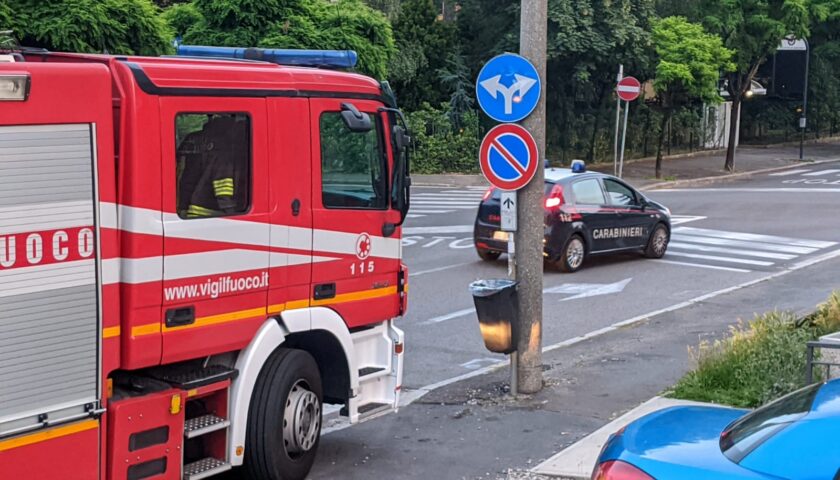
192 265
151 222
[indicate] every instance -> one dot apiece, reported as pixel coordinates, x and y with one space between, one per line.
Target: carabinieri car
586 213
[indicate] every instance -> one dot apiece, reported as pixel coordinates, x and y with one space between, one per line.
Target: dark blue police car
586 213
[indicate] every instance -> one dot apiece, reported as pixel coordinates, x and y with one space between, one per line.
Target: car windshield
748 433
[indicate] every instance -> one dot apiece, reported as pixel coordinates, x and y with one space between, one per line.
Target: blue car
795 438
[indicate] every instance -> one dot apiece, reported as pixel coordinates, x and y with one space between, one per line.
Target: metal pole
803 120
533 36
617 121
623 141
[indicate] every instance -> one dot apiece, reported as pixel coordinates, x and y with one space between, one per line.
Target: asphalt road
725 235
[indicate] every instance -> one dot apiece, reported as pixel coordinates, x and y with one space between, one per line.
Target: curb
731 176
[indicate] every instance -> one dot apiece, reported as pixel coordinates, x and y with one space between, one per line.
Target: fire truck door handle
295 207
177 317
324 291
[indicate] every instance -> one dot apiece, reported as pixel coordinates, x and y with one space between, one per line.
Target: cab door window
588 192
619 194
213 164
353 166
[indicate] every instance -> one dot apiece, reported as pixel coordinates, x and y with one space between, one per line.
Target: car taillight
488 193
616 470
555 198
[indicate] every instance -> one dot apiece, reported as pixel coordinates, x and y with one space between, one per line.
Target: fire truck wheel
284 420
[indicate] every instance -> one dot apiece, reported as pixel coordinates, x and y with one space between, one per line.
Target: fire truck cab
196 254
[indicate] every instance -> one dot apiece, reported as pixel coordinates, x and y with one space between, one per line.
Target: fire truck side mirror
355 120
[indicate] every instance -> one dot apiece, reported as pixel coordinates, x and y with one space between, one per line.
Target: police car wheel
284 420
658 243
488 255
572 256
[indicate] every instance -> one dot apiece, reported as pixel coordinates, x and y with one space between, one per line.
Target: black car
586 213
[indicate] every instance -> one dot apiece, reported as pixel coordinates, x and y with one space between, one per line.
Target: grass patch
759 361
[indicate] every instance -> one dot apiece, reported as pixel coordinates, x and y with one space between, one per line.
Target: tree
316 24
455 77
753 29
689 62
114 26
421 35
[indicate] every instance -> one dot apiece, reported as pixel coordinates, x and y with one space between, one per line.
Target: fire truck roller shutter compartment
49 299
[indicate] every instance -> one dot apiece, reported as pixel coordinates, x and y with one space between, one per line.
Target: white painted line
821 172
743 244
409 397
448 195
414 216
720 259
750 190
435 270
790 172
448 316
702 265
425 210
680 219
731 251
441 229
755 237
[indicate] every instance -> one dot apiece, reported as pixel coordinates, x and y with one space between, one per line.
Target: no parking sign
509 157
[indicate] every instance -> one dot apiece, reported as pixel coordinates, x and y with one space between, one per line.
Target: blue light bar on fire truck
300 58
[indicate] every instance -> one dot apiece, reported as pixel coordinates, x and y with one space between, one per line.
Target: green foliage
315 24
690 61
440 147
757 363
115 26
423 42
827 317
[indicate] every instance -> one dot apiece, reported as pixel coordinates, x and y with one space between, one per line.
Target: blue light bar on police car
301 58
578 166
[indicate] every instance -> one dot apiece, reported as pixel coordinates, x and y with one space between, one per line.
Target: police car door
598 217
355 259
632 221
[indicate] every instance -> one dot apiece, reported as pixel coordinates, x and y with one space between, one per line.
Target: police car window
588 192
213 164
619 194
353 168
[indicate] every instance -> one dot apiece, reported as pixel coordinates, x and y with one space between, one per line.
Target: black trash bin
497 307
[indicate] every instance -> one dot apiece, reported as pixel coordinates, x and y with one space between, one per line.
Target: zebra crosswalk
445 201
809 176
736 251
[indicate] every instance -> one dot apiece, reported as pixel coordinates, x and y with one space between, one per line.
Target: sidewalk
473 429
701 165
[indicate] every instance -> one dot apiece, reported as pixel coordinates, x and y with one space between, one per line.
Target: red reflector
398 348
616 470
488 193
555 198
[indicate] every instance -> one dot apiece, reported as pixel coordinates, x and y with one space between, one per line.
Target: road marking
448 316
751 190
702 265
743 243
437 240
449 195
444 203
439 269
476 363
790 172
756 237
721 259
414 210
585 290
746 253
680 219
821 172
407 397
441 229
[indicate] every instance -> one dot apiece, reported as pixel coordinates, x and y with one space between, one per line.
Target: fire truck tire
284 419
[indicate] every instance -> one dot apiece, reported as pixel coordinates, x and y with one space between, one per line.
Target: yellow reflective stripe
222 182
110 332
222 318
49 434
148 329
290 305
197 211
354 296
223 187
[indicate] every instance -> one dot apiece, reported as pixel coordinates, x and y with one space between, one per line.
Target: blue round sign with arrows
508 88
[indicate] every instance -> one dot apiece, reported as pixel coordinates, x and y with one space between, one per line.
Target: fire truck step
189 376
198 426
367 371
204 468
373 408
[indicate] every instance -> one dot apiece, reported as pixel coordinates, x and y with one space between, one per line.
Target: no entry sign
628 89
509 157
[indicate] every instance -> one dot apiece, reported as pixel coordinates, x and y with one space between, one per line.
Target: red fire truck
196 254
